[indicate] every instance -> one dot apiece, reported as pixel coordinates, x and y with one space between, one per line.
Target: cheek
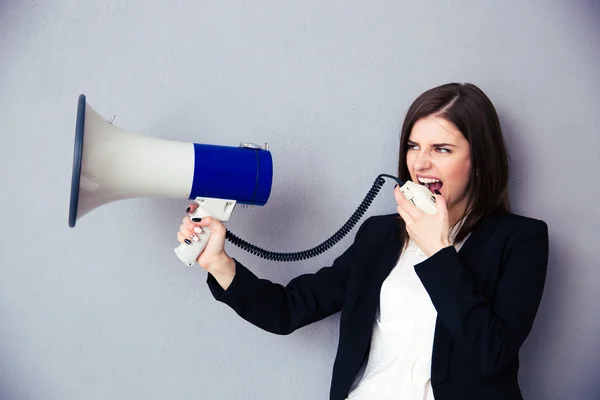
458 173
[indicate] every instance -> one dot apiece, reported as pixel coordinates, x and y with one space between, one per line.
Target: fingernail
437 191
396 186
188 241
187 210
197 229
195 238
196 219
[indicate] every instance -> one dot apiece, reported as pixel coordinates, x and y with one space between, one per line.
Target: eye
443 150
411 146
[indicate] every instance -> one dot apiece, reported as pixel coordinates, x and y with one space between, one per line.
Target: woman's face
438 156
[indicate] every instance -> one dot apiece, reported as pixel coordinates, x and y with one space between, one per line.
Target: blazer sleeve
283 309
491 330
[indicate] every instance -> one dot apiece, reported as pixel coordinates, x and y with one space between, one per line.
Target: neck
456 213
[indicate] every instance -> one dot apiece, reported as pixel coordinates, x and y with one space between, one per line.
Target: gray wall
106 311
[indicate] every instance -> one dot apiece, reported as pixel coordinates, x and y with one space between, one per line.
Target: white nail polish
194 238
197 229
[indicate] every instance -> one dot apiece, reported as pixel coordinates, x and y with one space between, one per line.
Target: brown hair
472 112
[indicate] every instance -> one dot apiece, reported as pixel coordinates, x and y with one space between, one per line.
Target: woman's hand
430 232
213 258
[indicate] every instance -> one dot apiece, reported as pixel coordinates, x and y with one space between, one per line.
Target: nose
423 161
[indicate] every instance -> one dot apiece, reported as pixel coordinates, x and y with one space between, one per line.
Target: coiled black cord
326 245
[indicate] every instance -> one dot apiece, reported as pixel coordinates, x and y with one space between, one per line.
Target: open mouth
431 184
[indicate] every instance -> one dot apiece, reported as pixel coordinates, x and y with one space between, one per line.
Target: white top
399 365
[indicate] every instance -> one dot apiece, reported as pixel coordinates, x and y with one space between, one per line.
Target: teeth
427 180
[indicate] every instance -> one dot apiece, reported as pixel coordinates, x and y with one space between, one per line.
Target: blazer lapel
470 251
378 269
390 256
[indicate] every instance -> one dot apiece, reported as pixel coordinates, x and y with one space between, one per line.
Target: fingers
187 239
408 219
215 226
182 238
192 207
184 235
191 226
212 223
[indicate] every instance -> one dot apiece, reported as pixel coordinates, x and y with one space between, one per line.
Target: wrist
222 264
442 245
223 270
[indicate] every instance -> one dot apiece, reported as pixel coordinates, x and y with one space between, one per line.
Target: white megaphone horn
111 164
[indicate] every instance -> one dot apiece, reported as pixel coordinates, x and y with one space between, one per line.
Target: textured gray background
106 311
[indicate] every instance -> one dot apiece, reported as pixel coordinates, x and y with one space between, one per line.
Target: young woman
431 306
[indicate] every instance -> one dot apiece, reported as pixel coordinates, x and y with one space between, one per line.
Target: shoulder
377 229
520 226
515 234
381 222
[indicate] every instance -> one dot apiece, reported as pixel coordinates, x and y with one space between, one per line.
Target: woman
432 306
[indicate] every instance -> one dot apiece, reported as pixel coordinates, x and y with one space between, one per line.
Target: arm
283 309
491 330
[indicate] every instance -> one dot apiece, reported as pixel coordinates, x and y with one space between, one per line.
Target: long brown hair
472 112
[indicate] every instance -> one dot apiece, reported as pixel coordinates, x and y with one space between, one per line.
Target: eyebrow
410 142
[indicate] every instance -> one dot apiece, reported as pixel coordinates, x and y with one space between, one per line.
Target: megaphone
111 164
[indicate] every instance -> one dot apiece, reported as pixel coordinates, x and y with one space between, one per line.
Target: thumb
440 203
213 224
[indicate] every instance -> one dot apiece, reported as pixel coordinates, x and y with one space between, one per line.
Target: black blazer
486 296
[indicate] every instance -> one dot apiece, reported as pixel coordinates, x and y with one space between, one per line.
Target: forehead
433 129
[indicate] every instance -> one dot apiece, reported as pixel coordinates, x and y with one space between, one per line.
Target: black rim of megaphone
77 156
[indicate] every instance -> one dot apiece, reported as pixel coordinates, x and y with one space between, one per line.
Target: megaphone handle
188 253
207 207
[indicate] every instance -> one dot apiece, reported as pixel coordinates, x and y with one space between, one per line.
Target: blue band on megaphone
233 173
